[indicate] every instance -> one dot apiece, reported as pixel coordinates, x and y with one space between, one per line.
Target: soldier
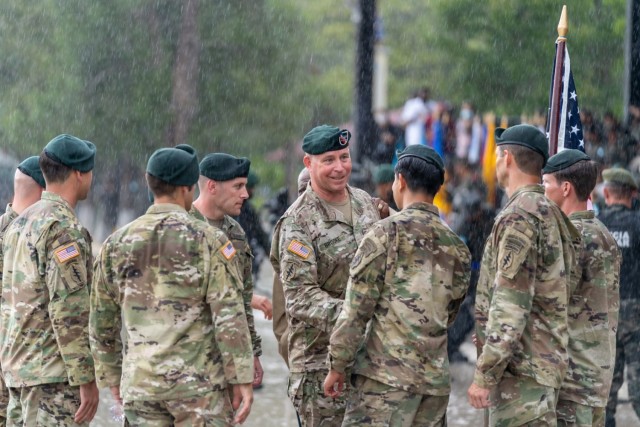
383 179
568 178
169 281
44 315
624 224
521 300
222 185
312 247
407 281
28 184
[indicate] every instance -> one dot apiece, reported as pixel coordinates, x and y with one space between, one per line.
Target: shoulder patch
228 251
67 252
296 247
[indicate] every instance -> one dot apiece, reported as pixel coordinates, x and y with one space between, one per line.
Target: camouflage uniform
244 258
521 308
593 320
624 225
408 279
311 251
44 315
5 220
170 282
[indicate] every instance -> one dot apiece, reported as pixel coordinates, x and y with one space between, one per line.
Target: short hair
619 191
421 176
582 176
159 187
527 160
54 172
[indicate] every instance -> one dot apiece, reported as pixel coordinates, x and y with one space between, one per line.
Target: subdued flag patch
67 252
299 249
228 251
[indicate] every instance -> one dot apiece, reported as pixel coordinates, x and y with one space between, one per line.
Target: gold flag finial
563 25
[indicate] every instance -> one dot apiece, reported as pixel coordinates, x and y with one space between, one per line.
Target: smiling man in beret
312 247
45 354
396 298
568 179
223 191
624 224
521 300
172 281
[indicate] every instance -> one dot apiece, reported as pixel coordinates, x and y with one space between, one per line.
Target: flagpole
554 114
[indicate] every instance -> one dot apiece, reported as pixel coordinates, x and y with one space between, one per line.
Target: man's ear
306 160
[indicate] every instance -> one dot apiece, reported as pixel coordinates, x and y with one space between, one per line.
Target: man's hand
89 399
263 304
381 206
242 394
115 392
258 373
333 384
478 396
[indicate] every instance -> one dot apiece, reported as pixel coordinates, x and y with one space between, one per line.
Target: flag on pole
489 160
570 126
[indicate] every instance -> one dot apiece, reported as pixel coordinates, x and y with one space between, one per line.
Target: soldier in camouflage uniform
222 185
407 281
521 301
568 178
28 184
312 247
44 315
624 224
170 283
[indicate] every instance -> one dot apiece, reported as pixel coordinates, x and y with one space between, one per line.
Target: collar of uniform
53 197
9 210
583 215
197 214
330 213
533 188
424 206
164 208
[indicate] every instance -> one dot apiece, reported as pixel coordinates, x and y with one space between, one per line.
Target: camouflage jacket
243 258
168 280
5 219
592 314
311 250
522 294
46 282
408 279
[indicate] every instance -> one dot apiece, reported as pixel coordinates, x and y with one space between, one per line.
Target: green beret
619 176
423 152
252 179
325 138
526 136
563 160
224 167
384 174
31 166
176 166
72 152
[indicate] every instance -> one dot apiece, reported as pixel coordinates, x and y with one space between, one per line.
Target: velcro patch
296 247
67 253
228 251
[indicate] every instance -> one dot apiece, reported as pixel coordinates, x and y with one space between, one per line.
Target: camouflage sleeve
512 297
613 293
363 291
244 260
305 299
68 279
461 280
228 313
105 322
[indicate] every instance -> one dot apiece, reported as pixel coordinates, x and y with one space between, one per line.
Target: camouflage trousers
573 414
4 402
211 409
627 354
306 391
521 401
373 403
46 405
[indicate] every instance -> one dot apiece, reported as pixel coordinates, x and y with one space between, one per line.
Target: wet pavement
272 408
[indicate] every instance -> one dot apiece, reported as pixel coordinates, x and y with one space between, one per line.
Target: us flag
570 126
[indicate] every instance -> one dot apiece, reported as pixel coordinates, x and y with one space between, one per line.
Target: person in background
383 179
414 118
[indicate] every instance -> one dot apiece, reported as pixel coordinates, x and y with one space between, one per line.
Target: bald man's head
26 191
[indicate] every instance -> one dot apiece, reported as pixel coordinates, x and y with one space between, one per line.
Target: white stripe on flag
565 99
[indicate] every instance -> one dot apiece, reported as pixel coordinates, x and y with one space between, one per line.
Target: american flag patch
228 250
299 249
66 253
